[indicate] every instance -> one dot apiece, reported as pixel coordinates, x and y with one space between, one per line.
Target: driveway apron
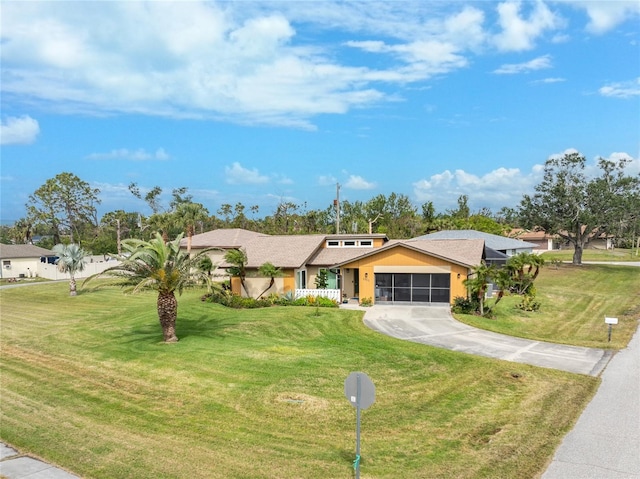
434 325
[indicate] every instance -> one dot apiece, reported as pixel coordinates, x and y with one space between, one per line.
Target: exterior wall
33 267
405 259
257 284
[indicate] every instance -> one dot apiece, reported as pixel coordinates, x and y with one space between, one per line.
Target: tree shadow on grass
203 326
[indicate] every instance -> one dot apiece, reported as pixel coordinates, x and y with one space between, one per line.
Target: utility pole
336 203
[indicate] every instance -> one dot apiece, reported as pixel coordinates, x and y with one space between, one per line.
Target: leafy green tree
22 231
237 258
64 203
322 279
158 266
71 259
576 208
270 271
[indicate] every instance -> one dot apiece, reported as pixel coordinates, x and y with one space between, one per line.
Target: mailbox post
610 322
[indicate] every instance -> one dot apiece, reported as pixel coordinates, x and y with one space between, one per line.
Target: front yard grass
88 384
575 300
591 254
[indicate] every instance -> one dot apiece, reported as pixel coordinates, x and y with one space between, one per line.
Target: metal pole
609 332
357 461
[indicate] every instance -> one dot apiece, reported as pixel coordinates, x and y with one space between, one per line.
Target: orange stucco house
358 266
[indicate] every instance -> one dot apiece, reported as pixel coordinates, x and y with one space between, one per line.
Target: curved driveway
435 326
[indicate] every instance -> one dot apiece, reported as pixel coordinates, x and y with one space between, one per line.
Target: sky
261 102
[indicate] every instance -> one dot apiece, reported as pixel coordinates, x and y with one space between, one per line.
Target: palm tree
477 283
237 258
70 260
270 271
160 267
190 214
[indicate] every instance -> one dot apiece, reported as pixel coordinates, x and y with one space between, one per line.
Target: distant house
358 266
29 261
500 244
547 242
23 260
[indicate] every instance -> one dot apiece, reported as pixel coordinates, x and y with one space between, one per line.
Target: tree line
566 202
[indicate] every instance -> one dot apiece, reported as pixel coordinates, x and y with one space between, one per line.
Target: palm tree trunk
72 286
167 314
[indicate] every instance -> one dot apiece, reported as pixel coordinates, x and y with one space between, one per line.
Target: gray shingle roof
496 242
281 251
9 251
222 238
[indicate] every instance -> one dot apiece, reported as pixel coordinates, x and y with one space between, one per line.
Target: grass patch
575 301
88 384
617 254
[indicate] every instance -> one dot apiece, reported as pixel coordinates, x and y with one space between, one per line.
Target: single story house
497 243
23 260
548 242
357 265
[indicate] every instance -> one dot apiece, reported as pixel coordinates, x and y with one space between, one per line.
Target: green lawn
87 384
617 254
575 300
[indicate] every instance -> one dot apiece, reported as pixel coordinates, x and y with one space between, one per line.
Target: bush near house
229 300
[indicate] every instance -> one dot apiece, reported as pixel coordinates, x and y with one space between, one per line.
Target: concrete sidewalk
435 326
15 466
605 442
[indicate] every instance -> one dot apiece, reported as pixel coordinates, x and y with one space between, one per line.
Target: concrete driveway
434 325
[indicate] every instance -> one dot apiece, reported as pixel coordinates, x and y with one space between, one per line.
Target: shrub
463 305
529 303
366 302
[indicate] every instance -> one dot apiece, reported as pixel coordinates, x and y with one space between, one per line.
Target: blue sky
262 102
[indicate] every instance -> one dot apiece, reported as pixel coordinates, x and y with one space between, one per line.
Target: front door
356 282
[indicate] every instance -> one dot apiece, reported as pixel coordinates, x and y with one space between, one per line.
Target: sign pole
356 463
361 393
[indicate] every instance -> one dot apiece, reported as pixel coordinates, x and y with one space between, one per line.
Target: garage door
412 288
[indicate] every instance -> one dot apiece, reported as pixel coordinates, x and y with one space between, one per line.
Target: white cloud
500 187
133 155
356 182
622 90
519 33
326 180
21 130
550 80
236 174
539 63
605 15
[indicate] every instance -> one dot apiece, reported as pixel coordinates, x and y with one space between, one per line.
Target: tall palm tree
160 267
189 215
70 260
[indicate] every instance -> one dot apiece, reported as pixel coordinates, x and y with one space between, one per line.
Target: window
349 243
301 279
366 243
6 264
333 244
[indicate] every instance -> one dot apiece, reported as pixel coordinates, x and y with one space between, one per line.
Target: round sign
359 390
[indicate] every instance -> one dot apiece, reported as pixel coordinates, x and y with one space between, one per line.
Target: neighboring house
541 239
29 261
548 242
501 244
358 266
23 260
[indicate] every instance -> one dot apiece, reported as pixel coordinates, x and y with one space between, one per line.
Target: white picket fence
324 293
